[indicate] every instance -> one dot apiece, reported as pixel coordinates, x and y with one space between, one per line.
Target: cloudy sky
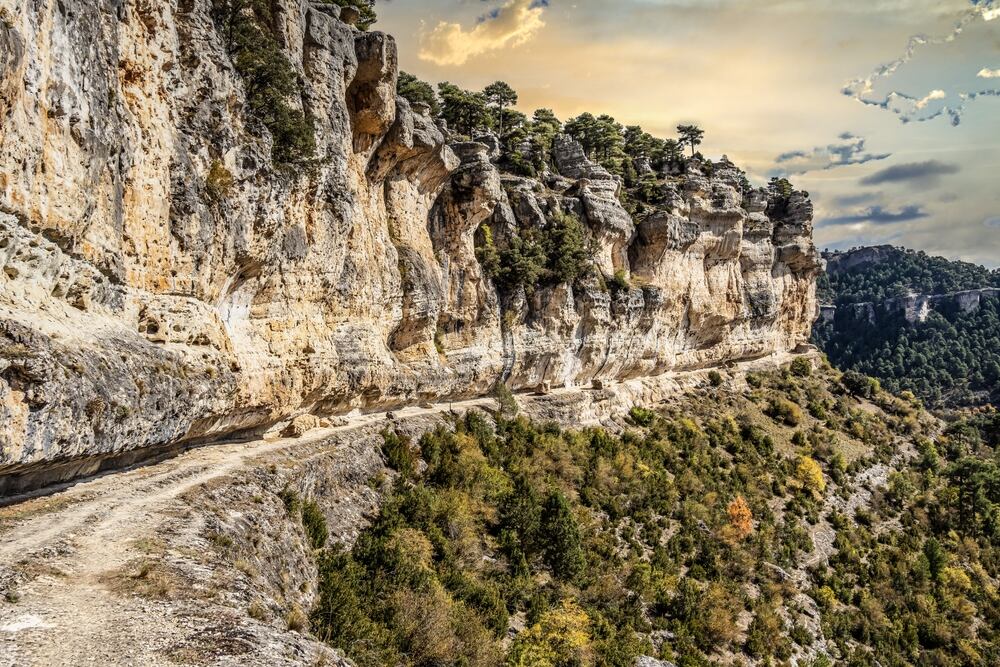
886 111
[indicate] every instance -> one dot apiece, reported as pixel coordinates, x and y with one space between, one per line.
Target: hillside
880 273
917 323
755 517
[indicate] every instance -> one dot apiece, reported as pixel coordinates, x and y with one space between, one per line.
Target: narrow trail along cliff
117 569
69 544
178 268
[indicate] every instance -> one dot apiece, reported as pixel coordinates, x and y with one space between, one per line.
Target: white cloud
933 95
930 60
512 24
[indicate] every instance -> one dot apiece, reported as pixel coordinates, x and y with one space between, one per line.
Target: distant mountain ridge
917 322
876 273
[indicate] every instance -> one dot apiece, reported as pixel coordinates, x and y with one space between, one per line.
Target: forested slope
917 323
810 516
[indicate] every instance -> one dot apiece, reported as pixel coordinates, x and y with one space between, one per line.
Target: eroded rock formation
162 282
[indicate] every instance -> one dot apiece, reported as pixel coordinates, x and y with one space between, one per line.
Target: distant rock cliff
162 281
914 308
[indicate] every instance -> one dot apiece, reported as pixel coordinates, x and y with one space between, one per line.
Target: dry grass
150 545
296 619
145 578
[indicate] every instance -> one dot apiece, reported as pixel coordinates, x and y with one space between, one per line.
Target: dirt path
56 552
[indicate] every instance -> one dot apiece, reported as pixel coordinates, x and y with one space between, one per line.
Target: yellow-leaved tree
740 518
810 474
561 637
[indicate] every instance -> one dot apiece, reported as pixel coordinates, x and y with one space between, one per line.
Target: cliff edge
164 281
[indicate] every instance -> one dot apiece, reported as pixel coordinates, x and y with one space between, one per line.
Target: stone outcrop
162 283
914 308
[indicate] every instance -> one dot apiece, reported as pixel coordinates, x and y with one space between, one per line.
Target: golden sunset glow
826 92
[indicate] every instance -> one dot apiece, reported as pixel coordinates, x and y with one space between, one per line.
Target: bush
641 416
506 403
783 410
765 634
559 253
567 248
561 637
740 518
341 618
619 283
398 453
715 378
810 474
802 367
860 384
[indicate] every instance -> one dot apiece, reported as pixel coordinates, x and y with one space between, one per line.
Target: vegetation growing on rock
706 534
271 83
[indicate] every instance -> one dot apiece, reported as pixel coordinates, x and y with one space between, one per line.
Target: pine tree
561 537
691 135
499 96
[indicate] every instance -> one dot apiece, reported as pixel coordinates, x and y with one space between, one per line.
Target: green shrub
506 403
860 384
802 367
567 248
715 378
341 618
314 524
619 283
641 416
765 634
291 500
558 253
785 411
398 453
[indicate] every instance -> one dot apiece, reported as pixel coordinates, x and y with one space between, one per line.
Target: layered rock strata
162 282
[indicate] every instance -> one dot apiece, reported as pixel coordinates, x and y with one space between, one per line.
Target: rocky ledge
164 283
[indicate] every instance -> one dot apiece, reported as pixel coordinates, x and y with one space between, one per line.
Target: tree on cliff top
465 112
499 96
416 91
691 135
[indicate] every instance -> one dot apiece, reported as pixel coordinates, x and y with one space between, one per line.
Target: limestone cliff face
140 308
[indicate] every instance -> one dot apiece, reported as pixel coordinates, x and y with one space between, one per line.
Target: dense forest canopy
951 358
899 272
